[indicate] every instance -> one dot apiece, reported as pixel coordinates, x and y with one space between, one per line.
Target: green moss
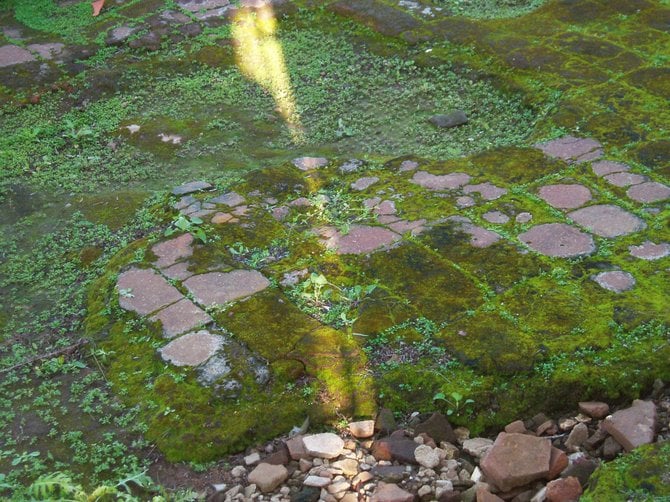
639 475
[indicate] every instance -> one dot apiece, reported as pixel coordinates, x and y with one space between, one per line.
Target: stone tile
605 167
47 50
310 163
465 201
487 191
181 317
144 291
558 240
13 54
565 196
385 207
178 271
173 250
219 288
361 239
523 217
402 226
192 349
231 199
572 149
625 179
221 218
191 187
408 165
607 220
649 192
650 251
633 426
479 237
363 183
440 182
616 281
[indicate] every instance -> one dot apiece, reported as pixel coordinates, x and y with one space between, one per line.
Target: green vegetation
489 9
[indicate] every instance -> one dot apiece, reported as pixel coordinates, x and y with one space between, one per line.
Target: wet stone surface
607 220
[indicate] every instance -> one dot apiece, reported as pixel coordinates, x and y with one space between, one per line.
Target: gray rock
426 456
191 187
452 119
324 445
216 368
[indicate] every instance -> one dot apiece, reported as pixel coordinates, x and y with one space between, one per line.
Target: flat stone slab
633 426
181 317
565 196
440 182
11 55
572 149
324 445
465 201
363 183
144 291
649 192
360 239
625 179
219 288
408 165
605 167
650 251
558 240
309 163
47 50
170 252
231 199
616 281
192 349
191 187
607 220
516 459
496 217
487 191
479 237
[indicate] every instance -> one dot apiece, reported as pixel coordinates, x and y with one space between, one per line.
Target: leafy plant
455 401
188 224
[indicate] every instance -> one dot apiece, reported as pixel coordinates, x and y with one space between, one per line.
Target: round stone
649 192
616 281
650 251
565 196
607 220
465 201
192 349
496 217
558 240
523 217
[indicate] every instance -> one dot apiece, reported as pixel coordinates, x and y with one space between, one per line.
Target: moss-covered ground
82 197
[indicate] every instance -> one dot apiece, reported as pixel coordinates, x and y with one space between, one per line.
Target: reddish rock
408 165
611 448
607 220
361 239
400 449
217 288
578 435
440 182
181 317
516 459
649 192
385 421
594 409
296 448
363 183
280 457
558 240
390 492
517 427
572 149
616 281
178 271
633 426
496 217
484 495
438 428
547 428
144 291
563 490
402 226
557 463
565 196
169 252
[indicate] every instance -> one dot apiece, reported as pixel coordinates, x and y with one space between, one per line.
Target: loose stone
633 426
268 477
324 445
309 163
363 183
